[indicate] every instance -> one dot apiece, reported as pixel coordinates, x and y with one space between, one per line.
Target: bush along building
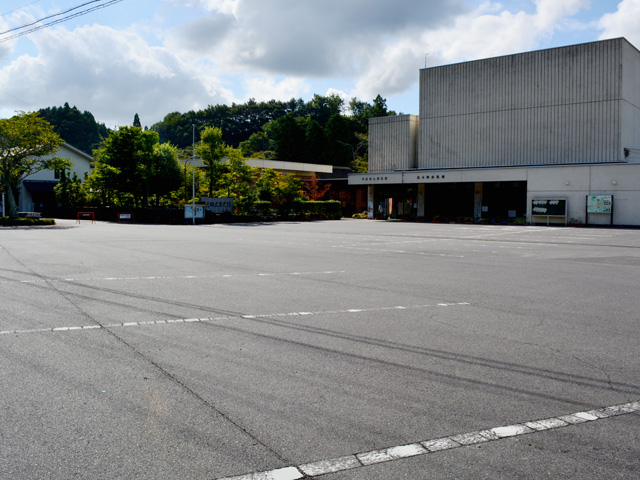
544 137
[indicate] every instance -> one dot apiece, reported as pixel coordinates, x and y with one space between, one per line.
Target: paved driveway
350 349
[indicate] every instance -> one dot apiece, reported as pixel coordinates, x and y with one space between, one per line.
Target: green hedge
323 210
30 222
298 210
262 208
301 210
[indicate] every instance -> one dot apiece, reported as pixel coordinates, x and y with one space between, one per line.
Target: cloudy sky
153 57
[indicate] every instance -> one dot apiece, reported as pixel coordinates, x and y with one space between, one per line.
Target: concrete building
550 136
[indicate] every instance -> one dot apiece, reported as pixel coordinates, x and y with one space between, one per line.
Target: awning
36 186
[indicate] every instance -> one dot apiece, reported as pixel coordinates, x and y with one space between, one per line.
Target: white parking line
183 277
226 317
359 460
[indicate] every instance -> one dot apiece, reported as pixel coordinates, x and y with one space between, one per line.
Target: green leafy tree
257 146
321 108
288 137
338 135
237 181
265 185
379 108
315 142
278 188
27 145
166 174
211 149
288 191
70 191
124 166
359 150
191 177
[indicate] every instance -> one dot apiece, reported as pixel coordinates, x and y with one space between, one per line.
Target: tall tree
288 137
237 180
125 165
379 107
323 107
27 145
136 121
166 174
70 191
338 135
257 146
315 142
211 149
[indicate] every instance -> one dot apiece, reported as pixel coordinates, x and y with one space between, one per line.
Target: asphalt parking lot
350 349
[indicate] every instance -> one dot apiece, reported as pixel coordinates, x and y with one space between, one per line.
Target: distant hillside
76 128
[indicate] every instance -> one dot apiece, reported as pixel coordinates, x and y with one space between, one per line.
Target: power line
59 20
19 8
49 16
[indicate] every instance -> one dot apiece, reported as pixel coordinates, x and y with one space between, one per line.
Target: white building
545 136
35 193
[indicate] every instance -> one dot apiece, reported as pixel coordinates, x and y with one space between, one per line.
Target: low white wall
574 183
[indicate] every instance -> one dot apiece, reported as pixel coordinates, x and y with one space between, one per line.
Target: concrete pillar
370 202
422 189
477 201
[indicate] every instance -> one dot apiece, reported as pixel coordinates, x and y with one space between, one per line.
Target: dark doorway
504 200
448 202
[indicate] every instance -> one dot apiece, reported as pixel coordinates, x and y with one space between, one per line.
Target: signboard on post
599 203
549 207
218 205
189 213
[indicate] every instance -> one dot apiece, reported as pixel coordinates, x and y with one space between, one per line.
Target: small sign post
189 211
600 204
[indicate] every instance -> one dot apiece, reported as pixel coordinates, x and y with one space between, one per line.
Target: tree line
317 131
76 128
142 166
324 130
134 169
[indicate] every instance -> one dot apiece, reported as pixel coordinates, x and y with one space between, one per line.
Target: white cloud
268 88
392 69
321 39
277 49
623 22
487 31
6 47
491 31
549 12
113 74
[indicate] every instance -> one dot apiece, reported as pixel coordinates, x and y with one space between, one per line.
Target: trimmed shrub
28 222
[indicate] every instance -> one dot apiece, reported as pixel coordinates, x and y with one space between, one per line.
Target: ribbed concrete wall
630 107
392 143
547 107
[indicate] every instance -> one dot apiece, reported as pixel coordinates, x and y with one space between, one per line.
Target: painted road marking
183 277
389 250
227 317
425 447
